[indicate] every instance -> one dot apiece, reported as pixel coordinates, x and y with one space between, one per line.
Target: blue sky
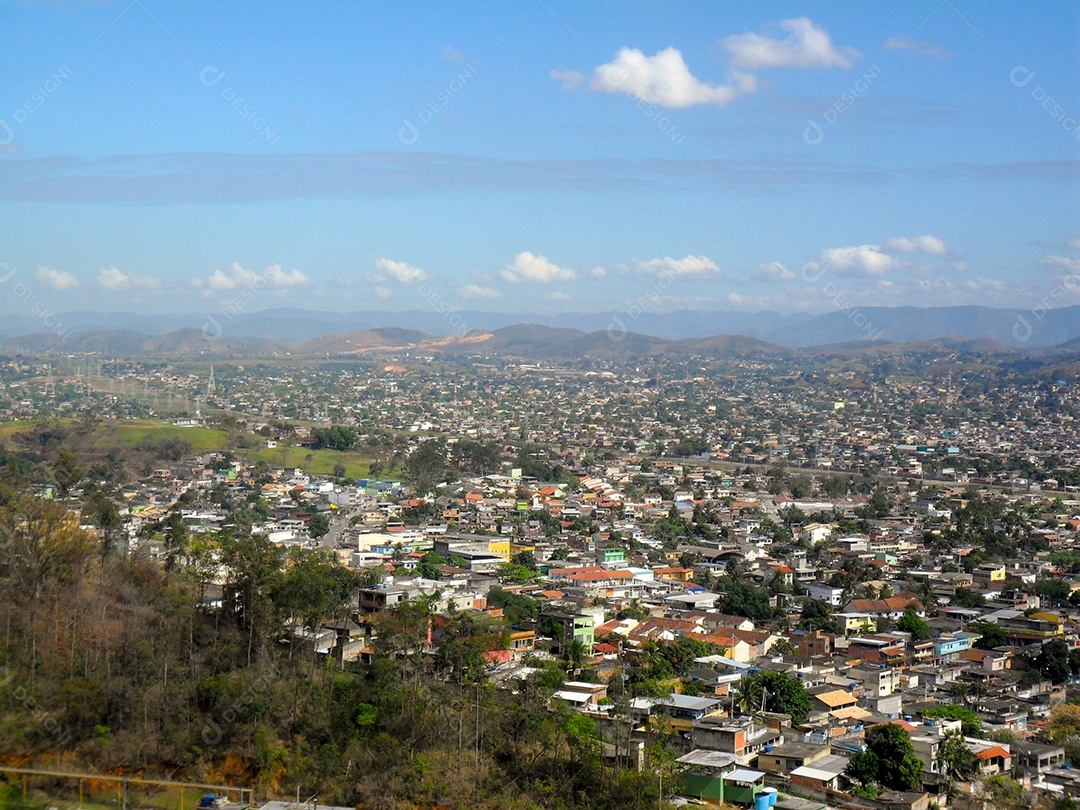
538 156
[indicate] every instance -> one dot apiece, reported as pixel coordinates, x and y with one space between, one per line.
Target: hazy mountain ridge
1010 327
527 341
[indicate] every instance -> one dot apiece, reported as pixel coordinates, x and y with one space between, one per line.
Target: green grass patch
131 433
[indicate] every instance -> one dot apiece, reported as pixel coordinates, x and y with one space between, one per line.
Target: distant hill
1010 327
363 342
121 343
530 341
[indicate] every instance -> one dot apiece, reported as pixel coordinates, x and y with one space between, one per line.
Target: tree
956 759
526 559
1053 660
968 598
428 567
575 654
741 599
911 623
67 471
176 532
319 525
1064 722
971 725
991 635
427 465
781 692
1054 592
336 437
816 615
889 760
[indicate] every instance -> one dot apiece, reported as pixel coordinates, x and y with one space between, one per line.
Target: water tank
761 801
907 718
768 749
1066 766
772 795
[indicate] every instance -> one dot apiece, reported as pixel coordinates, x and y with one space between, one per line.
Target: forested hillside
126 664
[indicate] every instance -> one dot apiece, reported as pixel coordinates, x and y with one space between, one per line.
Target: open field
130 434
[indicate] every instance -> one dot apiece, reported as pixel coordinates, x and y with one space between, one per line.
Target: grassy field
129 434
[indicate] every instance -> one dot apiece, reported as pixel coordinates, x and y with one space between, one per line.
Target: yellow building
507 548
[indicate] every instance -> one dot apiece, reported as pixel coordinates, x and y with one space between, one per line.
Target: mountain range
612 334
1011 327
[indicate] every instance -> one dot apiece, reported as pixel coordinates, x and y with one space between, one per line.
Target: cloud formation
930 245
527 267
877 260
805 46
569 79
55 280
663 80
773 271
474 292
114 280
858 260
917 46
402 272
688 266
237 277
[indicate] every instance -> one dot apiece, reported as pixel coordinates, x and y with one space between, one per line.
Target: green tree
428 567
991 635
968 598
526 559
176 533
427 465
911 623
319 525
970 724
1054 592
741 599
957 761
889 760
781 693
1053 660
67 471
816 616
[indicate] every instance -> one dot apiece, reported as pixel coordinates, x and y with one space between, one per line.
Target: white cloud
401 271
569 79
382 292
527 267
917 46
475 292
930 245
238 276
806 46
115 280
664 80
773 271
55 280
1073 243
451 54
1063 263
667 266
284 280
859 260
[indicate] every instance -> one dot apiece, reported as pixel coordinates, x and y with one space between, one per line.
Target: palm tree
575 655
